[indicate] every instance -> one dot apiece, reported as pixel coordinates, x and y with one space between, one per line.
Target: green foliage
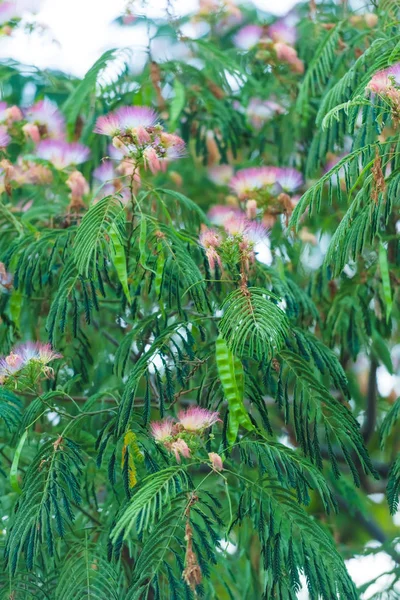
256 331
252 325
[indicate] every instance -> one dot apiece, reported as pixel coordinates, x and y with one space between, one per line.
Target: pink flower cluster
279 37
248 182
260 111
26 354
177 436
44 127
385 81
137 133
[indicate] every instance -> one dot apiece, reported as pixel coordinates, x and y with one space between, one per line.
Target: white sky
78 31
74 34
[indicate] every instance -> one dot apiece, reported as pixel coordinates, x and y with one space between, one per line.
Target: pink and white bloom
210 240
289 179
32 132
126 120
253 231
104 175
196 418
180 448
23 354
48 118
37 351
280 31
216 461
9 114
62 154
248 36
220 213
253 179
220 174
260 111
163 430
78 185
385 80
5 138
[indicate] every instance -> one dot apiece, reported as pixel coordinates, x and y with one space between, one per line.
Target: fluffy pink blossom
48 118
280 31
285 53
260 111
5 138
105 174
62 154
180 448
210 240
78 185
32 131
251 209
384 80
171 146
162 430
253 231
23 354
151 160
216 461
289 179
196 418
248 36
220 213
125 120
220 174
251 180
9 114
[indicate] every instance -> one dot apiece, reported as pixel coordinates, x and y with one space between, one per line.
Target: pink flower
196 418
62 154
37 351
162 430
105 174
248 36
9 114
171 146
14 114
220 213
216 461
260 111
125 120
220 174
151 160
384 80
251 180
210 240
251 209
46 115
24 354
5 139
285 53
180 448
289 179
32 131
78 185
282 32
